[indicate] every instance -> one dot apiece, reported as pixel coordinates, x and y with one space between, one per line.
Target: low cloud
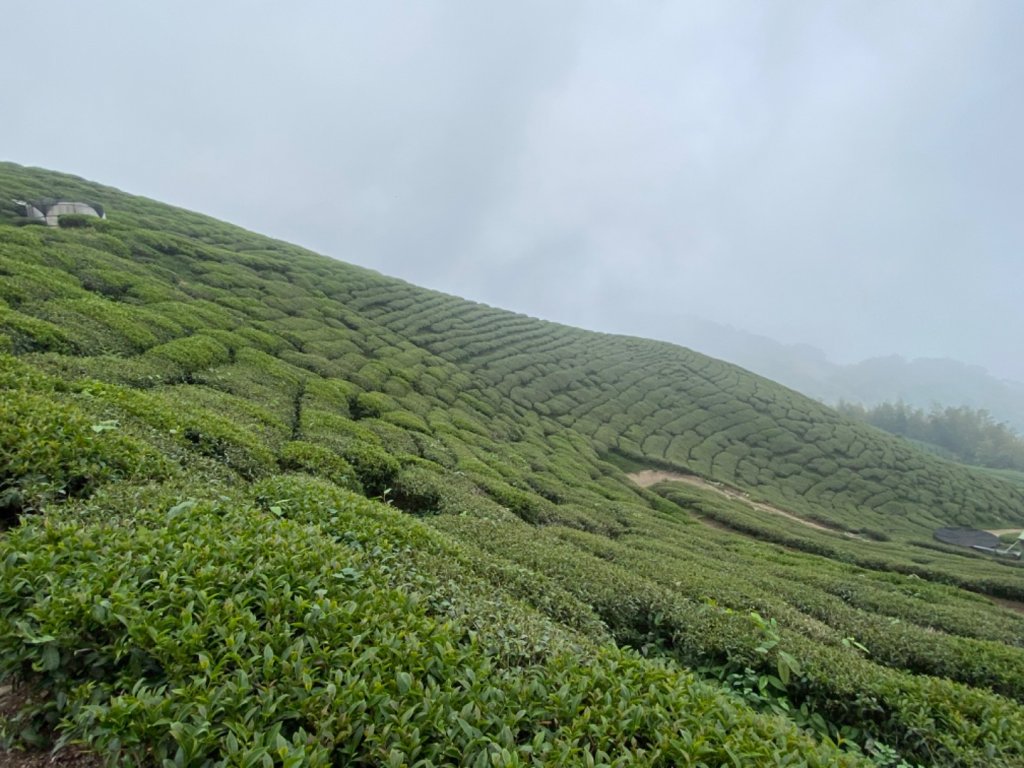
845 174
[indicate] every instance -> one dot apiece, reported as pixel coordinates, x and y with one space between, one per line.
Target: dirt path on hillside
649 477
1003 531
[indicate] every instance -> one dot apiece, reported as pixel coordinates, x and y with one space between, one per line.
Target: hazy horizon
845 175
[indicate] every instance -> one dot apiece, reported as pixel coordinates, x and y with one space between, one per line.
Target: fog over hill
809 171
920 382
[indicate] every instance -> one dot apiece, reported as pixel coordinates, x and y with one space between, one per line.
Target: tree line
966 434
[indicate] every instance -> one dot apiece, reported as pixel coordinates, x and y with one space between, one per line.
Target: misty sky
844 174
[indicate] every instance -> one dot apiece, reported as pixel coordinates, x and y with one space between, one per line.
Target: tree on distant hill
967 434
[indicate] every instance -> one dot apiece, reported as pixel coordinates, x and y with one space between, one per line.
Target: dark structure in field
967 537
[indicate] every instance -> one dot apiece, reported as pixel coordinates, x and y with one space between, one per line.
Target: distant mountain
921 382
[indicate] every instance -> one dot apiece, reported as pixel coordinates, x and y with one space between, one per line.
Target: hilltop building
50 211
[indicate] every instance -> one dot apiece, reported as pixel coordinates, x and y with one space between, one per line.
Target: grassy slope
162 356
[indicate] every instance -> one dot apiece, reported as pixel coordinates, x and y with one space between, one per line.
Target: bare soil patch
648 477
1013 605
66 758
70 757
1003 531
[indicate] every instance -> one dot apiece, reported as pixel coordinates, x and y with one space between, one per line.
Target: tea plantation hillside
268 508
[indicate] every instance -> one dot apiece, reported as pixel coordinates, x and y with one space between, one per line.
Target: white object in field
50 211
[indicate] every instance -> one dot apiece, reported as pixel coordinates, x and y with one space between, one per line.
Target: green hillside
265 507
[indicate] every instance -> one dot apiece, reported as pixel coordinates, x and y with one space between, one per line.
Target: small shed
50 210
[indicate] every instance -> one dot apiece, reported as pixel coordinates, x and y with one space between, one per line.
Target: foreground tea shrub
50 451
211 633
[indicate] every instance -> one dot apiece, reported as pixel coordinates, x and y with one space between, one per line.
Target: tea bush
318 461
208 632
50 451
